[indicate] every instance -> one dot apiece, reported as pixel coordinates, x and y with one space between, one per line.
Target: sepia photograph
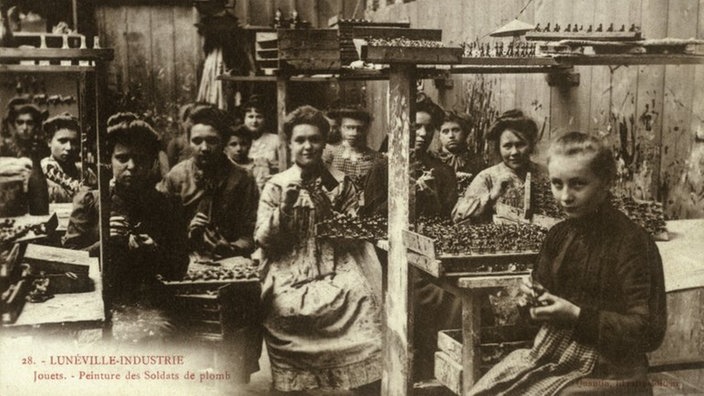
351 197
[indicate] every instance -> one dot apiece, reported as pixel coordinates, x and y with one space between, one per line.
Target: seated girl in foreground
597 287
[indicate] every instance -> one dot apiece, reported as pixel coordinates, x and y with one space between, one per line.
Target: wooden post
104 177
471 359
398 310
281 96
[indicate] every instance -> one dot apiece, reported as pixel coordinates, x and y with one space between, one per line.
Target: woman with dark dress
597 288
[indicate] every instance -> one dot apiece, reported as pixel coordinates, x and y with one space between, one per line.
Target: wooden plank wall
158 52
651 115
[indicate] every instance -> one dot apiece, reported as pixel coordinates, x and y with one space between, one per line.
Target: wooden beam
55 54
281 110
397 376
471 339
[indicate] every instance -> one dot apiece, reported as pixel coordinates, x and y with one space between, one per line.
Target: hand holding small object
554 309
199 222
426 182
137 241
290 194
119 226
499 188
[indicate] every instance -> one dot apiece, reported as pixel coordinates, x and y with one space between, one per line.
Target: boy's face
254 120
452 137
206 143
237 149
64 145
575 186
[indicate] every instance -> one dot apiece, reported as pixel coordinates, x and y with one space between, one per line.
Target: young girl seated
597 288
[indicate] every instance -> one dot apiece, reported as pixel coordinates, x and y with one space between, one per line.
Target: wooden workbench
71 311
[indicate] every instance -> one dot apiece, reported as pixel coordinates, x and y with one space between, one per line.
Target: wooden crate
309 49
497 342
422 254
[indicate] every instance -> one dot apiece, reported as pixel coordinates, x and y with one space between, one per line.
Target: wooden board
163 57
419 243
449 341
489 282
77 310
595 36
448 372
426 264
412 55
56 260
677 138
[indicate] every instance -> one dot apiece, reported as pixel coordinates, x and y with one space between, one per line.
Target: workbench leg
471 339
397 376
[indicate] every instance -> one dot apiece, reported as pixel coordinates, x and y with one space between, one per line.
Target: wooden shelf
46 68
509 61
628 59
16 54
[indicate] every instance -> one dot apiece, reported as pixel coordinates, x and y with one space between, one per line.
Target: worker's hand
290 196
554 309
137 241
426 183
500 186
119 227
464 208
197 226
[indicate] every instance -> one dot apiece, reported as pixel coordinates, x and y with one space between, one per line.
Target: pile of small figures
500 267
498 49
543 201
580 28
647 214
222 274
404 42
344 226
453 239
9 232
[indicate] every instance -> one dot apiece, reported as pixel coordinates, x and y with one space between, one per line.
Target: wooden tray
425 246
414 55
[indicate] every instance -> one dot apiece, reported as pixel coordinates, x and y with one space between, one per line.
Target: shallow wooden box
499 342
